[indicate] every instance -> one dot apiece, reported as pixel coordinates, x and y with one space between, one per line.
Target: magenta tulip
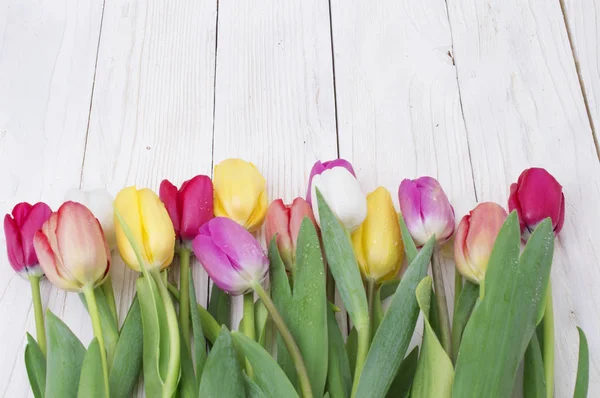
231 256
319 167
19 229
536 196
190 207
284 221
426 210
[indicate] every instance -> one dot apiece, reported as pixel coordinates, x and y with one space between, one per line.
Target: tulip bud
19 229
100 203
150 225
319 168
426 210
475 238
240 193
285 221
536 196
231 256
189 207
343 195
72 249
378 242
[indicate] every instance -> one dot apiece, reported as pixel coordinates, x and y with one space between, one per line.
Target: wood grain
523 107
274 103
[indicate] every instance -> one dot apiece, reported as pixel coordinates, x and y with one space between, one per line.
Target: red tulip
72 249
475 238
189 207
19 228
536 196
284 221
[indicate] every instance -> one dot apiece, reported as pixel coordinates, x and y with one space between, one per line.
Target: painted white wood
523 107
583 18
274 91
47 55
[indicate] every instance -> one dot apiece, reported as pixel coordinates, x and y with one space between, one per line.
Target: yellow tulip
150 226
377 242
240 193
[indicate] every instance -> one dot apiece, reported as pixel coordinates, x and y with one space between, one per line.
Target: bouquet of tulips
289 342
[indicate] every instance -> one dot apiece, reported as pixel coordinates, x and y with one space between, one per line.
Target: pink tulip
230 255
319 168
19 228
284 221
536 196
72 249
475 238
189 207
426 210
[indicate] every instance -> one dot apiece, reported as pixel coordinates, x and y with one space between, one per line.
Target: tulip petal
278 223
33 221
299 209
319 168
218 267
561 216
534 185
100 203
258 215
48 263
195 202
128 205
460 248
14 246
158 233
20 211
168 195
410 205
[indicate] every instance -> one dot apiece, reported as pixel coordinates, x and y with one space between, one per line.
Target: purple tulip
319 167
426 210
231 256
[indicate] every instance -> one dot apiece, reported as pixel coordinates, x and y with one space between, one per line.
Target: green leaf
65 358
400 387
434 370
187 387
91 382
352 349
583 367
253 390
305 305
534 382
222 376
388 288
339 376
267 374
198 335
343 265
110 329
409 244
462 312
514 289
127 364
219 306
434 317
35 363
265 329
393 336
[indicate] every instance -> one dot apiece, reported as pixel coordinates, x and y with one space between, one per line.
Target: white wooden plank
152 109
523 107
583 22
47 56
397 99
274 91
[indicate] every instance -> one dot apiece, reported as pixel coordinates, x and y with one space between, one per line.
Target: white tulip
100 203
343 194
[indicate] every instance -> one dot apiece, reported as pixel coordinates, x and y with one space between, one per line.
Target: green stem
247 325
364 340
458 287
371 303
440 294
184 285
109 293
548 353
40 332
290 344
172 376
210 327
90 299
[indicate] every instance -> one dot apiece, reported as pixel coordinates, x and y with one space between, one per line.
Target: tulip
240 193
343 194
284 222
426 210
231 256
100 203
189 207
475 237
536 196
319 168
150 225
378 242
19 229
